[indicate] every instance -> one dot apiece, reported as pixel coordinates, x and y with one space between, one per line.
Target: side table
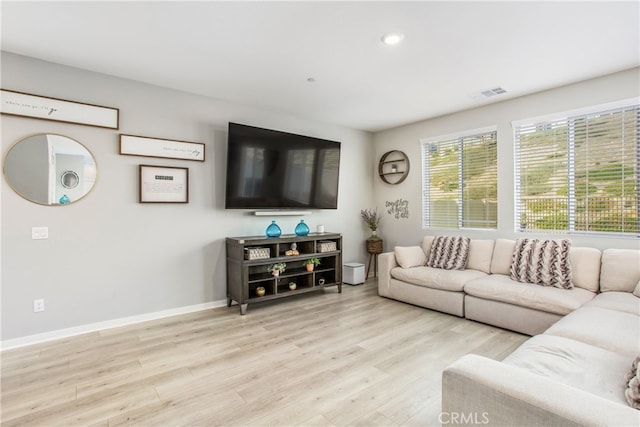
374 247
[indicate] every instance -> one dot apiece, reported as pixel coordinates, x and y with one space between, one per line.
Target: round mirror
50 169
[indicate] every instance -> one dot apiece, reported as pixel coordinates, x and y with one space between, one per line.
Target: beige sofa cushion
480 254
619 301
609 329
427 241
502 256
585 267
499 287
574 363
408 257
436 278
620 270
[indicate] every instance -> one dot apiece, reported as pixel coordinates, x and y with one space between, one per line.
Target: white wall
405 232
110 257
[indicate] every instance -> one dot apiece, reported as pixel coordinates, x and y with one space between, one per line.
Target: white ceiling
262 53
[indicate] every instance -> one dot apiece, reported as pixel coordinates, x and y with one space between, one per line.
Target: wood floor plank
317 359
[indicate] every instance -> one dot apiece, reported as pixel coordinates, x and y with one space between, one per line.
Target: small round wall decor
393 167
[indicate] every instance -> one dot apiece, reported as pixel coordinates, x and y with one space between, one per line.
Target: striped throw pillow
542 262
449 253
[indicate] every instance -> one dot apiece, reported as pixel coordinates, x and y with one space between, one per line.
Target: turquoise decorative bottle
302 229
273 230
64 200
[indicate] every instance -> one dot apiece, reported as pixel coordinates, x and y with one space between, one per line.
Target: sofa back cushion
620 270
427 241
585 263
480 254
502 256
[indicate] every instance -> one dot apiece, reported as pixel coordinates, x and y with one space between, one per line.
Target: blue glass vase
302 229
64 200
273 230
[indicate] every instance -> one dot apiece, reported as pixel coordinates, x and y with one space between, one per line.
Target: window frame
425 207
570 117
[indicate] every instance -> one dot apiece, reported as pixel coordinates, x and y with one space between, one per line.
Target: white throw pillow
411 256
636 291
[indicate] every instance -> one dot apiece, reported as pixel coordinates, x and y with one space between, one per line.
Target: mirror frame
59 180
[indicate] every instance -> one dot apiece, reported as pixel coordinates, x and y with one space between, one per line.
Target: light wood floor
318 359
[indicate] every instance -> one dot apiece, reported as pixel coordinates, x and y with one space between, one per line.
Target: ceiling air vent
488 93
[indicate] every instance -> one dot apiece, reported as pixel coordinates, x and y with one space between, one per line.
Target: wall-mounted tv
270 169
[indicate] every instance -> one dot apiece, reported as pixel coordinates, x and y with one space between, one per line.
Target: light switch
39 233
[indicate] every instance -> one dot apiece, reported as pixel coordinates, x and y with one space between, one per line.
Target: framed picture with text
21 104
164 184
133 145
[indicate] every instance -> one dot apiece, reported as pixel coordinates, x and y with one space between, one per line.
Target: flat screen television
270 169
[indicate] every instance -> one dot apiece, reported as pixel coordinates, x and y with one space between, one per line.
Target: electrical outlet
38 305
38 233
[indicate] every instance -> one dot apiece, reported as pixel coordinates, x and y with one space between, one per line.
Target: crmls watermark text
465 418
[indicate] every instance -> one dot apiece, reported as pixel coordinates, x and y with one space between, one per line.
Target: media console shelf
245 275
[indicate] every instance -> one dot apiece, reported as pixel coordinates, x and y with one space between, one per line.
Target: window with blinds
578 174
460 180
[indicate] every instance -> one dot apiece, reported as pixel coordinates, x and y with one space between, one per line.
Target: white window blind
578 174
460 181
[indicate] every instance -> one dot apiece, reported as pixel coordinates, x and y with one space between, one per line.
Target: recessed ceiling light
392 38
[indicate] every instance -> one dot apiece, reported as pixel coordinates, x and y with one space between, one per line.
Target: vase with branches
372 218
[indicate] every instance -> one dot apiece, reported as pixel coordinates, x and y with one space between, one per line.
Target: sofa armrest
386 261
478 390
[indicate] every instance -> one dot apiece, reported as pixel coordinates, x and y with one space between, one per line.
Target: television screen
269 169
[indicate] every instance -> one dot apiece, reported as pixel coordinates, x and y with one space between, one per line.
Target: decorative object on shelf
302 229
320 228
393 167
164 184
321 281
292 286
256 253
293 251
273 230
372 218
311 263
159 147
260 291
399 208
57 110
326 246
64 200
277 268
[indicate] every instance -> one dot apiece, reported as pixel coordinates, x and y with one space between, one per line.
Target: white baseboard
99 326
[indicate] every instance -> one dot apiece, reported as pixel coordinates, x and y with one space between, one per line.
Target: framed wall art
158 147
164 184
21 104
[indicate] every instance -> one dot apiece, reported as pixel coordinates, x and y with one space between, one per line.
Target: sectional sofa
577 367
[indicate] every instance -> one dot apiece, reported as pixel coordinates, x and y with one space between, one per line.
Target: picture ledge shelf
281 213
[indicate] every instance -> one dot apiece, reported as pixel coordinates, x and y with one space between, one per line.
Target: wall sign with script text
41 107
